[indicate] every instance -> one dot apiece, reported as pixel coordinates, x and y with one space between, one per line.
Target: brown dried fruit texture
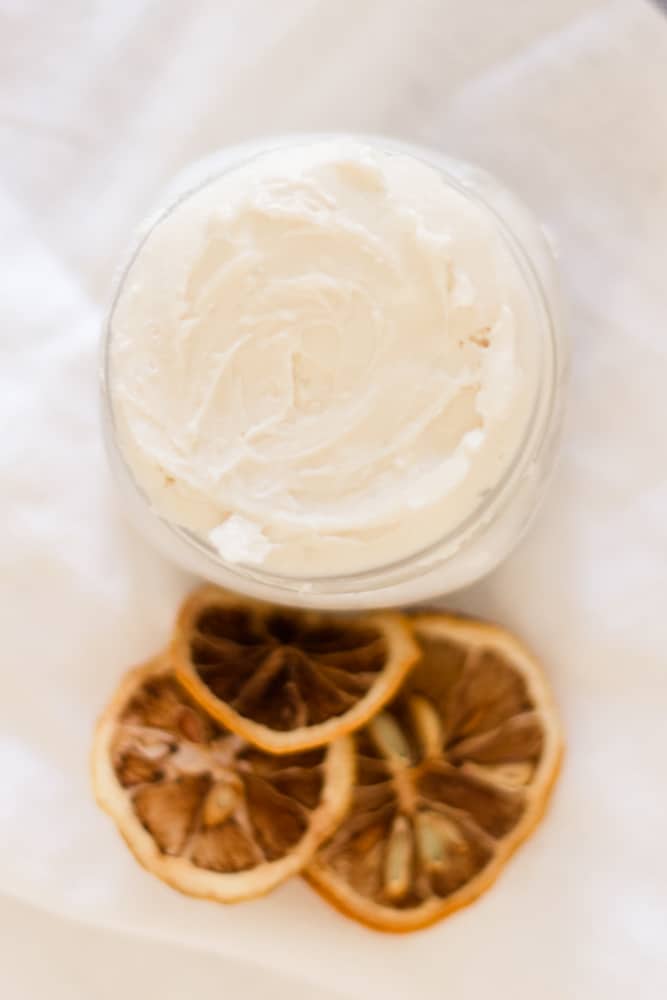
200 807
179 803
451 776
287 680
279 669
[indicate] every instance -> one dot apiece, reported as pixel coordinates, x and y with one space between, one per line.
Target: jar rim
492 502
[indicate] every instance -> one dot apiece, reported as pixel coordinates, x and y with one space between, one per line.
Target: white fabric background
566 100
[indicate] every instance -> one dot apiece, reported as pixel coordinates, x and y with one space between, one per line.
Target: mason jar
500 514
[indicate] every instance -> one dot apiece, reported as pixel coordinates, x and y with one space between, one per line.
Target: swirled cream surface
321 360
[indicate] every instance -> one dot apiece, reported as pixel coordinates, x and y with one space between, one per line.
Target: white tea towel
566 101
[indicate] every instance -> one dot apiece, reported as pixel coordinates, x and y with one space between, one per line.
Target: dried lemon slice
201 809
288 680
451 777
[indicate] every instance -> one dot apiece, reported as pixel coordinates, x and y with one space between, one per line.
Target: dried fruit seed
390 739
428 725
437 840
398 859
220 803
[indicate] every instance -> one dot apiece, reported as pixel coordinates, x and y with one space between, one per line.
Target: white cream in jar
322 360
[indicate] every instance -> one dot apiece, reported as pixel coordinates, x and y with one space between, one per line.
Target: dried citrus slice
288 680
199 807
451 777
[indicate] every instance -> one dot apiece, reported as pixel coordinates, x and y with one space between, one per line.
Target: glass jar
489 532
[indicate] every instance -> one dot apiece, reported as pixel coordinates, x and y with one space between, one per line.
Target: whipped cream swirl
321 360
